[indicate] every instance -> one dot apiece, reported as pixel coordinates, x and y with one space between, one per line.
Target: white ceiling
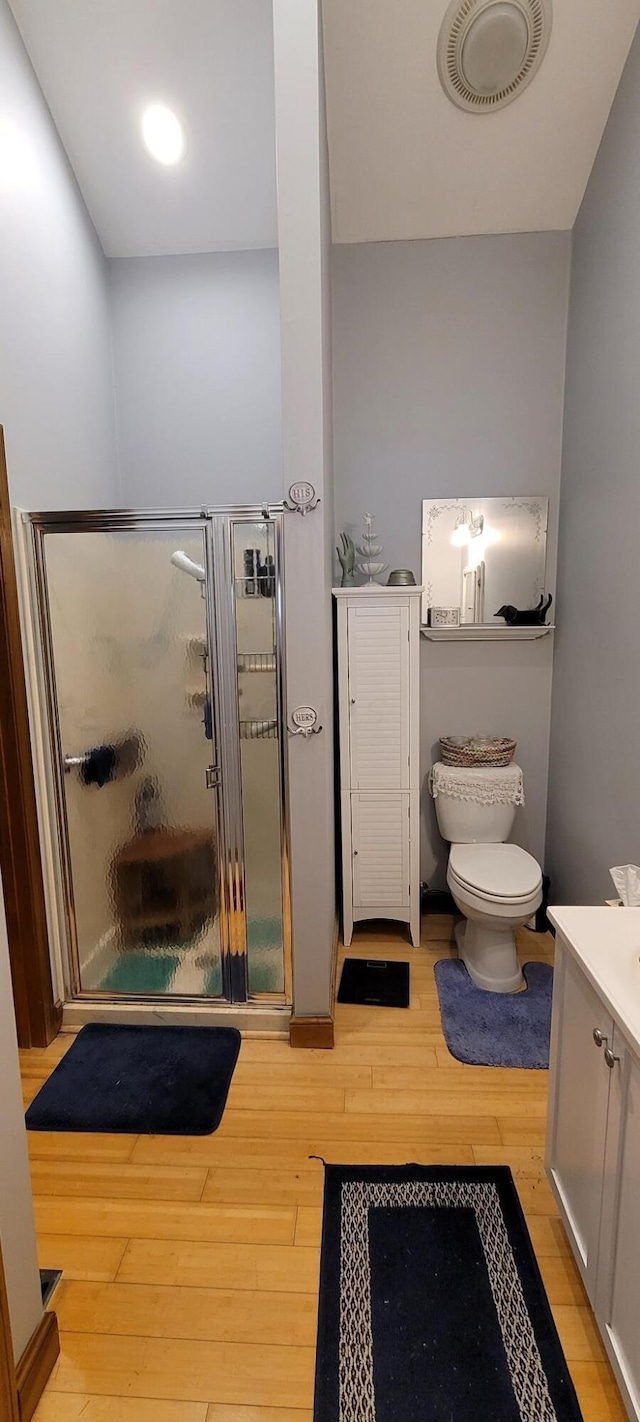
101 62
406 163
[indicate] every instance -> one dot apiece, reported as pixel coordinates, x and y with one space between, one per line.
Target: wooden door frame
38 1015
8 1383
22 1385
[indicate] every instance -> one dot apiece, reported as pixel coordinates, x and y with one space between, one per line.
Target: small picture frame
444 616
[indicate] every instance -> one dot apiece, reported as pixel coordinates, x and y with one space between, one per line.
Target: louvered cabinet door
378 640
380 849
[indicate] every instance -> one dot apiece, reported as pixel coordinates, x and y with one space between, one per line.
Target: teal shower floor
138 973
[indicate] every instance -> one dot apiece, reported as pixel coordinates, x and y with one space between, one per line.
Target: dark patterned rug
432 1308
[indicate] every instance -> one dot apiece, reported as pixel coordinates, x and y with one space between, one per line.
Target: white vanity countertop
606 942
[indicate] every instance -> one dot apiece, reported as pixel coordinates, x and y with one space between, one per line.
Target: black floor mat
374 982
167 1081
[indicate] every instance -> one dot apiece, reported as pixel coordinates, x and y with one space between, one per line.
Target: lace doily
488 785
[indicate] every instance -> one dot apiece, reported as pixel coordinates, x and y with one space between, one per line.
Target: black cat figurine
530 617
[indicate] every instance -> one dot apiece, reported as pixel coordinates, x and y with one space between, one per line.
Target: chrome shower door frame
227 810
222 588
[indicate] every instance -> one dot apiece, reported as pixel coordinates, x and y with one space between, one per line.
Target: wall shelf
485 632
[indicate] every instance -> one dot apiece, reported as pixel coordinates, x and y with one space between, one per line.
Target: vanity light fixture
466 527
163 134
460 534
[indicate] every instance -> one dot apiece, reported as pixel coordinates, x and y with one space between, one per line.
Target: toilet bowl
496 886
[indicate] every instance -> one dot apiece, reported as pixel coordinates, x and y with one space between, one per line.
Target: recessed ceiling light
162 134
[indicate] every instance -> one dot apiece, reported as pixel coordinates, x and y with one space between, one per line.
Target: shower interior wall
116 648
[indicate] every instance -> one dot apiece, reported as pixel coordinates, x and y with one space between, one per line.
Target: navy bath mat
505 1029
168 1081
432 1308
374 982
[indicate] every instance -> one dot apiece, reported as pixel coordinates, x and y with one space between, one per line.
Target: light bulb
163 134
18 165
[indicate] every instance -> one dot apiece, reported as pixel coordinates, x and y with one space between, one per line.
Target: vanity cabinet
593 1152
378 688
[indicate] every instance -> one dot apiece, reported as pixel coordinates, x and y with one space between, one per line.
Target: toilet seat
495 873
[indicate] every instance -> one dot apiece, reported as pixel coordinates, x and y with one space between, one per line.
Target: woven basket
477 750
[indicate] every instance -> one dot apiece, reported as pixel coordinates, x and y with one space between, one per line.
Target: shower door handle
212 777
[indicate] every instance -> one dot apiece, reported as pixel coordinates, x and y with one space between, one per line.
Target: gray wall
594 801
56 387
197 370
57 408
448 380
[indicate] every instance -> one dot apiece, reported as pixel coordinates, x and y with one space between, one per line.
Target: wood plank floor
191 1264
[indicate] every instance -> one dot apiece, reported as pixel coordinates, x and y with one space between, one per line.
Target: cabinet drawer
380 847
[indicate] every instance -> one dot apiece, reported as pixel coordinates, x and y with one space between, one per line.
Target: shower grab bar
101 764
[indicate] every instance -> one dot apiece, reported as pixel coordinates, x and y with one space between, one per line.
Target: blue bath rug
166 1081
502 1029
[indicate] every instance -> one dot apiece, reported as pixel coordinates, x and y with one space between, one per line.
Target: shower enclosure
161 641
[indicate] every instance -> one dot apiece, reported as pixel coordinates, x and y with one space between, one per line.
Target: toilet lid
502 871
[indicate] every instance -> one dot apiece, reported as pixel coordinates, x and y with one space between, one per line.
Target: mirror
479 554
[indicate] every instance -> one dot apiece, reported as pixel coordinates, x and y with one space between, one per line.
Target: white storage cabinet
379 713
593 1154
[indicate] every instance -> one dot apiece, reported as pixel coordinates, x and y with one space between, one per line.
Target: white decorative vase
370 550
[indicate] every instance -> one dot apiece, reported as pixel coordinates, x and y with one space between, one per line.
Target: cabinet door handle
610 1058
599 1037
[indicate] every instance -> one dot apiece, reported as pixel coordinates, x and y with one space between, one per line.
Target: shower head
186 565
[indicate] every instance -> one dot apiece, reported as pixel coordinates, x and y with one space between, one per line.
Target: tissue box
626 879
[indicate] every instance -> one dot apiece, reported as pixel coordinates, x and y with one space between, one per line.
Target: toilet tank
476 806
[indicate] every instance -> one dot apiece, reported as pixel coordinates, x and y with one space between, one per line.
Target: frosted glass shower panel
136 735
257 648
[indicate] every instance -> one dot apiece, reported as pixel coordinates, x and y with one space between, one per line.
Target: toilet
497 886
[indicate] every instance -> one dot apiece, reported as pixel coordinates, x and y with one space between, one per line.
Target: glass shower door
129 663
